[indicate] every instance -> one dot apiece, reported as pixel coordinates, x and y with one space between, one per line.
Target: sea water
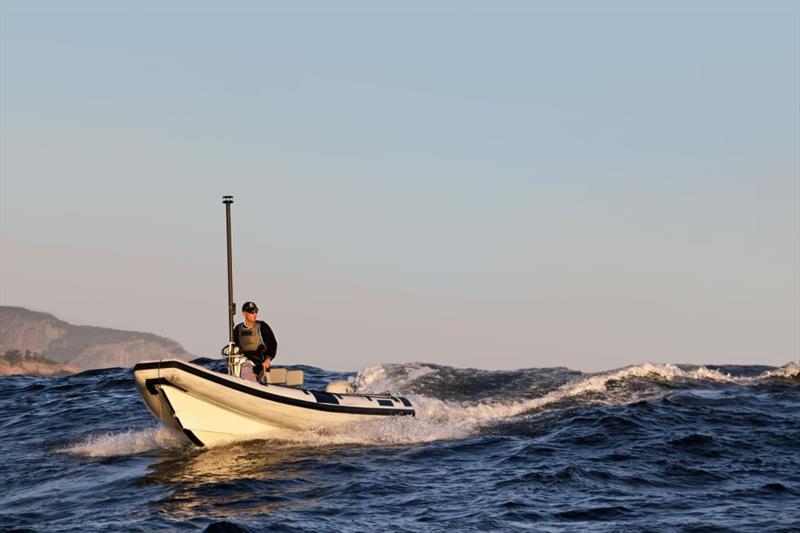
648 447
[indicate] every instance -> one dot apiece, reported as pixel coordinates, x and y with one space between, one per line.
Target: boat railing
236 359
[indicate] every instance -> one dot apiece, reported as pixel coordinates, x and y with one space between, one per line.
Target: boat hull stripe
192 437
325 397
151 383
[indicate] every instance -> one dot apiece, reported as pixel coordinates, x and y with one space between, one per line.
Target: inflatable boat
211 407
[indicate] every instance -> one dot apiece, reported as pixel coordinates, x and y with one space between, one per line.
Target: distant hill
84 347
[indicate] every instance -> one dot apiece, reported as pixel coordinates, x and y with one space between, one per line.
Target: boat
211 407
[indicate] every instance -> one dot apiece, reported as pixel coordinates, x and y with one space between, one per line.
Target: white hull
210 407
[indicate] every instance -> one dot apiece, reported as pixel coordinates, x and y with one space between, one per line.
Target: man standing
255 339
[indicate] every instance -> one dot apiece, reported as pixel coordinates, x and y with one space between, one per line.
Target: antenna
228 200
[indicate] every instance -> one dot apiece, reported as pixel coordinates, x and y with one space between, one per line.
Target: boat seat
282 376
294 378
276 376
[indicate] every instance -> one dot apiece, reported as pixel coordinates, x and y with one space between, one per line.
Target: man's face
249 316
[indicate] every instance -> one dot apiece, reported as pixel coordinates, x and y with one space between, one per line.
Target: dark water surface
649 447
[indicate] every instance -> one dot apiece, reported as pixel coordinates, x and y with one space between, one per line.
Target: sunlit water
656 447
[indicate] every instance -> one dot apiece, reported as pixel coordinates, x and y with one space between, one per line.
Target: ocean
651 447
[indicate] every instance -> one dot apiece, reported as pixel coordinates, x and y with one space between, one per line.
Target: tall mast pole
228 200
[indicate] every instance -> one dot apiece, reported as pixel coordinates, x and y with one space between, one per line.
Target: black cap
250 307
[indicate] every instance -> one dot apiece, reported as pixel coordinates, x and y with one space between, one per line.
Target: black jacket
266 335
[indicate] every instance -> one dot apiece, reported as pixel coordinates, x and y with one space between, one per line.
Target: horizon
490 185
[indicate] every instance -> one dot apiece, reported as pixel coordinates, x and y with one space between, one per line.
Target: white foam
129 442
599 382
442 420
377 379
790 371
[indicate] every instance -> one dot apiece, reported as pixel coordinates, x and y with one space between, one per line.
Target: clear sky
478 184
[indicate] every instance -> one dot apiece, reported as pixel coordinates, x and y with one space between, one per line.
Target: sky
496 185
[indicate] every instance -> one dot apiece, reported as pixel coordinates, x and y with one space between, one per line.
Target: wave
403 377
129 442
438 419
790 371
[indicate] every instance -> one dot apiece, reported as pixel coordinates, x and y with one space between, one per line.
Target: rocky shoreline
36 368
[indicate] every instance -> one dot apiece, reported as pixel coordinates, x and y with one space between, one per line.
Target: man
255 339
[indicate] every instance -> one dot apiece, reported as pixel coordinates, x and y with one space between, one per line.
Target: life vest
250 338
